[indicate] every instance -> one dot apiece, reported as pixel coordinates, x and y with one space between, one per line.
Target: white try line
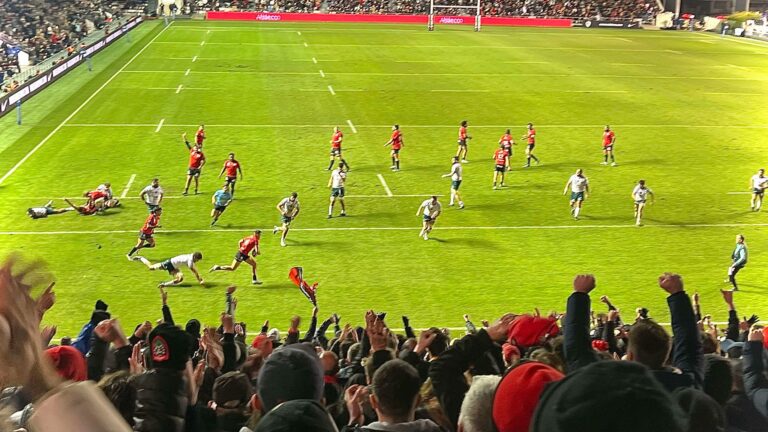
575 226
202 43
160 125
330 89
314 60
194 59
352 126
306 44
434 126
77 110
459 91
739 193
632 64
187 72
673 51
393 196
322 74
128 186
178 89
384 183
298 33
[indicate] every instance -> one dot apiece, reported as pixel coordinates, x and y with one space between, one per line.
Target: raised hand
378 335
46 300
584 283
227 323
425 340
671 283
499 329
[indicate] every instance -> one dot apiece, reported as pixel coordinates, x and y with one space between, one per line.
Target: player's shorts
219 208
462 142
39 212
608 148
152 207
337 192
639 202
395 151
501 168
427 218
231 180
240 257
509 151
145 236
455 184
167 266
758 191
530 147
336 151
194 172
286 219
577 196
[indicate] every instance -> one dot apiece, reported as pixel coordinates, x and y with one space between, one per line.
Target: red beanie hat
263 343
599 345
518 394
69 362
528 330
765 337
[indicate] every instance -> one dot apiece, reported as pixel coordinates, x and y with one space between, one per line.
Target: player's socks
397 164
330 166
330 211
346 165
576 211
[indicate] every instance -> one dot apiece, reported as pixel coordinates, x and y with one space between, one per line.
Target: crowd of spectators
591 368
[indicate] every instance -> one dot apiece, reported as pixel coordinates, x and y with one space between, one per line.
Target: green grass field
688 111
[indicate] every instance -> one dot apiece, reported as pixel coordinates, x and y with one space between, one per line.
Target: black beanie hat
169 347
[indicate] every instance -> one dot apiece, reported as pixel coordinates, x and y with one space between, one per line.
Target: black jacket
161 401
755 383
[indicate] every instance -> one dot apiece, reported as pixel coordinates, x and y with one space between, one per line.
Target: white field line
160 125
739 193
387 196
384 183
459 91
194 59
322 74
77 110
207 32
737 39
128 186
175 88
736 93
178 89
314 60
737 67
187 72
325 126
352 126
306 44
25 198
632 64
202 43
621 39
673 51
330 89
591 91
576 225
705 41
480 74
299 33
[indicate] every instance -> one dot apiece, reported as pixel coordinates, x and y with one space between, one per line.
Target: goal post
435 7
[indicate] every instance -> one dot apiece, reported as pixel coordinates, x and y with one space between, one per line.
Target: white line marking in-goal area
187 72
202 43
299 33
160 125
352 126
322 74
77 110
314 60
739 193
208 32
128 186
306 44
384 183
194 59
330 89
178 89
448 228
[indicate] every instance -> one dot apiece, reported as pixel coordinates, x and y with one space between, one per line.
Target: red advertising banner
396 19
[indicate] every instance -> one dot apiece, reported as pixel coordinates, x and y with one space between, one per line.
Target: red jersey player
336 140
530 137
609 139
94 203
196 162
200 136
248 245
463 137
146 239
501 157
506 142
396 141
231 168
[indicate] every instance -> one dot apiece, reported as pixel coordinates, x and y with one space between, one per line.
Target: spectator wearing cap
518 394
755 382
290 372
83 340
68 362
161 391
297 415
232 393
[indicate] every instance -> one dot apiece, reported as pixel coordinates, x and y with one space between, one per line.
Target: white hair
476 413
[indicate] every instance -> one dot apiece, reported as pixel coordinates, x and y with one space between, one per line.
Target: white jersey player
336 183
579 186
174 265
289 209
430 209
457 177
640 195
758 183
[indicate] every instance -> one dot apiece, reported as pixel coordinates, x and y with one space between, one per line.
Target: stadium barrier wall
37 84
394 19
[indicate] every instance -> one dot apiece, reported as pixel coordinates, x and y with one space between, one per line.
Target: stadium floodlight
433 7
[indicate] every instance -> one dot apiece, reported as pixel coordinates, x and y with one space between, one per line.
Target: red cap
263 343
69 362
528 330
765 337
599 345
518 394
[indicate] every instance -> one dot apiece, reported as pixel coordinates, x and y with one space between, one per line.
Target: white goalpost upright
433 7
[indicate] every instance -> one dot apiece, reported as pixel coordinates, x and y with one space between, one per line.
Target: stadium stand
577 371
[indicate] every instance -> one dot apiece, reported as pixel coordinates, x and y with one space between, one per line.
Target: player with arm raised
501 157
457 177
146 239
336 183
609 139
579 186
248 250
196 161
152 195
396 141
174 265
640 195
758 183
336 140
463 137
289 209
231 168
431 209
220 200
530 138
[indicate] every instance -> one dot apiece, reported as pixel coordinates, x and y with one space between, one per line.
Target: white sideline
314 60
187 72
77 110
178 89
322 74
128 186
352 126
576 225
384 183
305 44
194 59
330 89
160 125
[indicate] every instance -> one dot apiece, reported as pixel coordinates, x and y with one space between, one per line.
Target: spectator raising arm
578 348
755 382
686 347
